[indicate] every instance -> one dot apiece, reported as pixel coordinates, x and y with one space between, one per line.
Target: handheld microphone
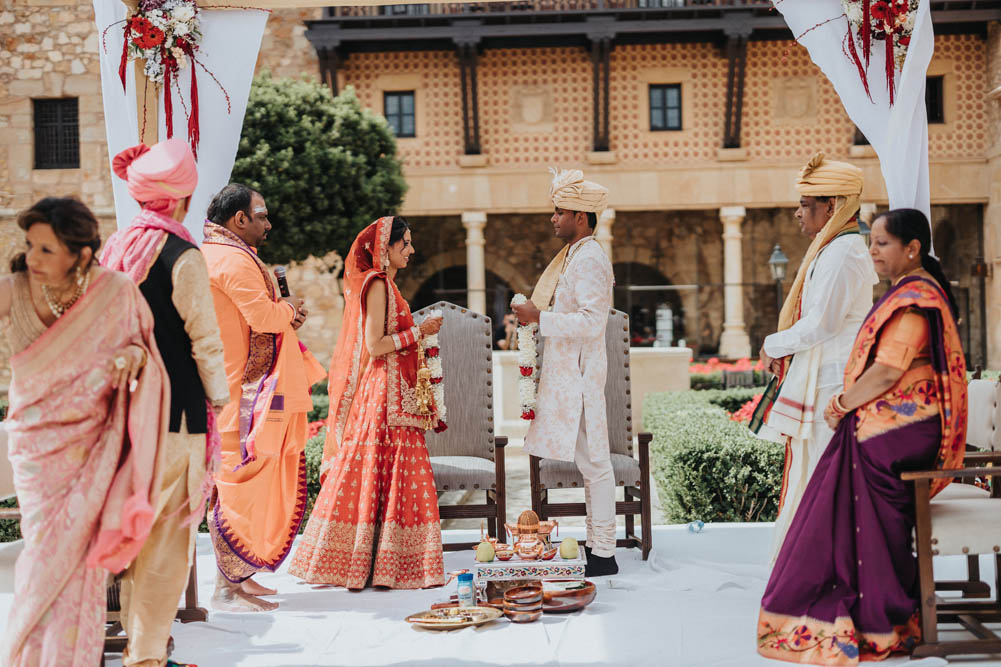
282 282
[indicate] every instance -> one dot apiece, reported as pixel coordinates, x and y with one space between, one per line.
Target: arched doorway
449 284
640 290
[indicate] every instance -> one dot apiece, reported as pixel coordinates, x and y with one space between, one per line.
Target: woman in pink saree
88 411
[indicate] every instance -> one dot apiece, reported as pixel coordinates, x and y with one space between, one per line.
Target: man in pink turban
159 254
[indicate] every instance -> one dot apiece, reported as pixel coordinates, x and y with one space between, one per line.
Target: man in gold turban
571 303
828 301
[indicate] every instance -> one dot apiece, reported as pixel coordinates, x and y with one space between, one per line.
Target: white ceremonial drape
231 39
898 134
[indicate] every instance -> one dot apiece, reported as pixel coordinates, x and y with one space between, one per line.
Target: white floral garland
528 363
432 357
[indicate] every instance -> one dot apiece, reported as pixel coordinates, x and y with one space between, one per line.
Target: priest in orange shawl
260 492
375 520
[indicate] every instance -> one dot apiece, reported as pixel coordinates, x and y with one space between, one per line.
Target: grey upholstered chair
631 474
467 455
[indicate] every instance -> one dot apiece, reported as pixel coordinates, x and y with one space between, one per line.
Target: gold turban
571 192
823 178
827 178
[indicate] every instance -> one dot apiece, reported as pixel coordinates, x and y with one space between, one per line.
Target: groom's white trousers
599 496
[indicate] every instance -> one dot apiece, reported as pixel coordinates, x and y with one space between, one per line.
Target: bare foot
230 597
251 587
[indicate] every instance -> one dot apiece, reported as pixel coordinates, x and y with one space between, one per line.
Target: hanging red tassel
890 65
194 135
168 106
866 32
850 39
125 54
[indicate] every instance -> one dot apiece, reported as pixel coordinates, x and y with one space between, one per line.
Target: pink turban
158 176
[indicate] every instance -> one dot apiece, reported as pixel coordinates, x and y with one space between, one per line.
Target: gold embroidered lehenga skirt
375 521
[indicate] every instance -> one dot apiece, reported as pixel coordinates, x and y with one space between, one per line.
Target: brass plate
453 618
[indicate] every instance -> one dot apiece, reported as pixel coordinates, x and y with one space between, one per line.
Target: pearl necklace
57 308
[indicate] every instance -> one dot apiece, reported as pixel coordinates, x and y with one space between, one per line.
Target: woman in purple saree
844 588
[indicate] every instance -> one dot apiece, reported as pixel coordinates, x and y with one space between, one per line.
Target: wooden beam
467 53
737 31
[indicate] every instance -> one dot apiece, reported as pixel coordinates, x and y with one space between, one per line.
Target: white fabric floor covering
693 603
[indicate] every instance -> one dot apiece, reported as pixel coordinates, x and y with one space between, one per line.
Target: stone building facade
693 215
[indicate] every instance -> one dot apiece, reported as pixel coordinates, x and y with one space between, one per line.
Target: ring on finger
120 362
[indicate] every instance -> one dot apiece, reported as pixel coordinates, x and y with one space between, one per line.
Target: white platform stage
694 603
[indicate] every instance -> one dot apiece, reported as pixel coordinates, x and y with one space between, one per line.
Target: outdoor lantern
777 264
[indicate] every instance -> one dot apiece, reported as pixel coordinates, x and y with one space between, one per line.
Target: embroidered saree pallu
844 588
376 518
86 460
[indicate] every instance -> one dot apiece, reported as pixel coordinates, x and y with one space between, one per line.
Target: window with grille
400 113
935 98
665 107
57 134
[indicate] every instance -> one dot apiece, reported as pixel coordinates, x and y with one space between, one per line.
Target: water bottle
465 590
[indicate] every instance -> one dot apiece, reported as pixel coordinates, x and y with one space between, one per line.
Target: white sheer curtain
898 134
231 39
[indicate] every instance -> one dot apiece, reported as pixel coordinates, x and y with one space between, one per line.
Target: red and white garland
889 21
432 356
528 363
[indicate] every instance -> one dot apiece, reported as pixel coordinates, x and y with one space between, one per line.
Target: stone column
476 268
603 231
734 343
866 213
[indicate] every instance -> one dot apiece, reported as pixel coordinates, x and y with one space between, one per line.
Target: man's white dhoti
837 295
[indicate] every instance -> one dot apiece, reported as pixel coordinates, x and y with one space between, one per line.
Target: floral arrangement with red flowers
887 21
432 355
165 35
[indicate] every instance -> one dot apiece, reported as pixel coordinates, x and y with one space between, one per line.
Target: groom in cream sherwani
571 303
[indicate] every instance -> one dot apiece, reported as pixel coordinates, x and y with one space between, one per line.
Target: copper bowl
567 600
523 595
518 608
548 555
503 555
523 616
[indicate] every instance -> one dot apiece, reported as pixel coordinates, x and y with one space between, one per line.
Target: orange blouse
904 340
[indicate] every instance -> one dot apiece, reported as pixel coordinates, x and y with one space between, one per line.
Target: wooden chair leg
191 612
630 518
926 574
646 504
491 520
500 475
534 480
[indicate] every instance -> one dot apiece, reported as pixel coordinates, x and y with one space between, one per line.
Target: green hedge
321 404
706 466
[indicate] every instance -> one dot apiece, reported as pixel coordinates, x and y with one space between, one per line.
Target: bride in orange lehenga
375 521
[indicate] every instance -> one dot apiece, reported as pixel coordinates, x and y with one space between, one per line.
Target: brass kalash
531 536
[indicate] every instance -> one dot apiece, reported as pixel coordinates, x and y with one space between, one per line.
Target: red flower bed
746 411
314 427
714 365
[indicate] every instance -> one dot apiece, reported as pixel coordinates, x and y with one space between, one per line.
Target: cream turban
571 192
827 178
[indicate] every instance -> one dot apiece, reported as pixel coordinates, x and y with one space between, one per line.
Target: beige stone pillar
603 231
476 267
734 343
867 213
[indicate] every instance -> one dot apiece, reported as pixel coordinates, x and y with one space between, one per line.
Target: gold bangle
142 363
838 405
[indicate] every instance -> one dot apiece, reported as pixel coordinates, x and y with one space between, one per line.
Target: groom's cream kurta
575 364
